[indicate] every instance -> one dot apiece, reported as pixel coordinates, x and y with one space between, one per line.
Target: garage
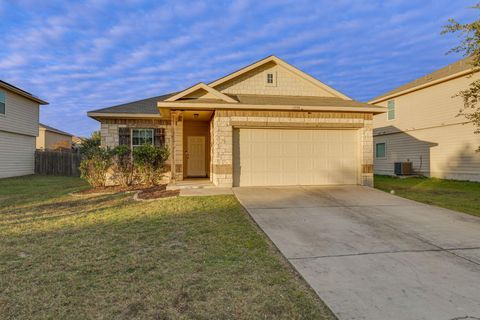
283 157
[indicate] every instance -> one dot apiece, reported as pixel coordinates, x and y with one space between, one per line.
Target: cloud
15 60
85 55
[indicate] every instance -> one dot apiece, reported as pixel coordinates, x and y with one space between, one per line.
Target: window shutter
159 137
124 136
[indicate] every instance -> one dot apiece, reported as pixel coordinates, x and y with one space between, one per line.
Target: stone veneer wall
177 145
225 120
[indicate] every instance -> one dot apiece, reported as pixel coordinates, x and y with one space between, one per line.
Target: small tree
90 145
95 164
149 162
123 168
469 46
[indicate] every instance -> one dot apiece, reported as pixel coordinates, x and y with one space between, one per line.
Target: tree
90 145
469 33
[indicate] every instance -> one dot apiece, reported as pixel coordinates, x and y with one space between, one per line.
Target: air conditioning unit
403 168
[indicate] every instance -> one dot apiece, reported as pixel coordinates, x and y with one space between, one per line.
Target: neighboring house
19 111
422 126
77 142
266 124
50 138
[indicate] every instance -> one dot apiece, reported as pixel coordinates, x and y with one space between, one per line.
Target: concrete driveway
371 255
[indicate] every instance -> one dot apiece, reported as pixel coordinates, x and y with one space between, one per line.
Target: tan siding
50 140
16 154
21 115
40 140
287 83
432 106
442 152
432 133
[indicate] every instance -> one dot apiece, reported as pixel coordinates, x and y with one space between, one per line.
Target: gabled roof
52 129
298 100
275 102
206 96
140 107
459 67
284 64
198 87
21 92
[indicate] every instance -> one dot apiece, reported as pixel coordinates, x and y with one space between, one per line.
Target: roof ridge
448 70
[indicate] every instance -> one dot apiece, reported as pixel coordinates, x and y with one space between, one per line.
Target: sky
86 55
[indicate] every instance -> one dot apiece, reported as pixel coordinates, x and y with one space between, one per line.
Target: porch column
366 155
177 146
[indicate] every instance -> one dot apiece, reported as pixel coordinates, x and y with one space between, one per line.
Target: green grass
109 257
461 196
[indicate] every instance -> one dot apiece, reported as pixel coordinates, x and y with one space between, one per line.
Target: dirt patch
110 190
142 192
157 192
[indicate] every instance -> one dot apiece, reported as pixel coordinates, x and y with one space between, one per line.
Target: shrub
95 164
149 162
123 168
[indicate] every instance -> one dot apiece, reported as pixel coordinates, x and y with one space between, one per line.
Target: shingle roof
54 129
456 67
145 106
21 92
149 106
298 100
254 99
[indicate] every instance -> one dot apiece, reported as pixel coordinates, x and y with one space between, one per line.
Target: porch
191 148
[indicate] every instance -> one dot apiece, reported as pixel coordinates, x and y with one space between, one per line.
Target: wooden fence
57 163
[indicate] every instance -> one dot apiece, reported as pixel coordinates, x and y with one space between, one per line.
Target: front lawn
109 257
461 196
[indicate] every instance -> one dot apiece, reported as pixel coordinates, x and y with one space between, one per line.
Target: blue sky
84 55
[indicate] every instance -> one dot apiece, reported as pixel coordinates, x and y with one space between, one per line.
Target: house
19 112
267 124
77 142
50 138
422 126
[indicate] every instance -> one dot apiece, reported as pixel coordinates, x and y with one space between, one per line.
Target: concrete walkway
371 255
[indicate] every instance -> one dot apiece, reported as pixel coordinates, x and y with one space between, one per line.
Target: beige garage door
282 157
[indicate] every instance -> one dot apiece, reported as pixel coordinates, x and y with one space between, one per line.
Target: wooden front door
196 156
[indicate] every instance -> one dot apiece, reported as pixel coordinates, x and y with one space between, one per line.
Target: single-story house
422 126
267 124
19 113
50 138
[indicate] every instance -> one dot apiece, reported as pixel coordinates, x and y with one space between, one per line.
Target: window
270 78
380 150
2 103
391 110
141 137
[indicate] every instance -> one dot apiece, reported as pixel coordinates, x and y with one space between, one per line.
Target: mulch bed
144 192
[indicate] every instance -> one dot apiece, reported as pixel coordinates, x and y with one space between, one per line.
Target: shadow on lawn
57 210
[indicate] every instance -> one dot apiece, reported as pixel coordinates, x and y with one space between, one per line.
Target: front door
196 156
